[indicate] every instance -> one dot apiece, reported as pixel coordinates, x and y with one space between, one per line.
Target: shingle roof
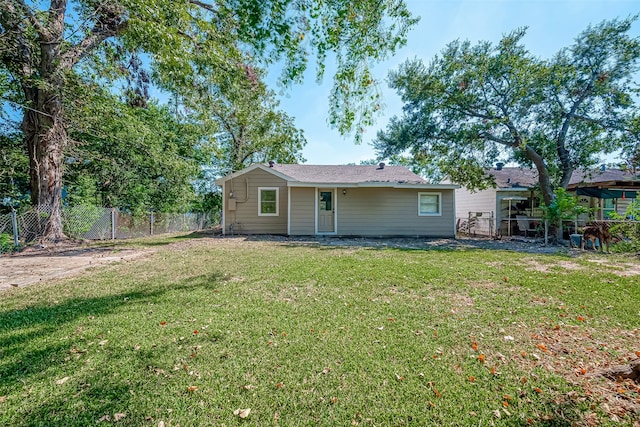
509 177
349 174
514 177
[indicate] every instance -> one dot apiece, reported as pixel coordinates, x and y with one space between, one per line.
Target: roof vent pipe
381 165
603 167
271 163
499 166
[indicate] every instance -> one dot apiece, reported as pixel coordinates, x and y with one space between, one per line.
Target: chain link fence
97 223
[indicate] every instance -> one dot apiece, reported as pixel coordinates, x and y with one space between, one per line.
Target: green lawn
321 335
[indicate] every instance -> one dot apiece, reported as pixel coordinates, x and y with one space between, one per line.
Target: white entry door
326 211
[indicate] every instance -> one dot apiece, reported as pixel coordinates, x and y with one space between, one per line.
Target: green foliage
627 228
14 165
245 127
6 243
128 157
564 207
222 45
207 202
476 104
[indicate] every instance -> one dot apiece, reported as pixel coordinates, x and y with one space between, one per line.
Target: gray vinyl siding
391 212
245 219
303 211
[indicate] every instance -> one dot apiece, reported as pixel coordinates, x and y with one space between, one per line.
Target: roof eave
372 185
248 169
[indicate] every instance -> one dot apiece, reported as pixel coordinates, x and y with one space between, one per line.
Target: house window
429 204
608 207
268 198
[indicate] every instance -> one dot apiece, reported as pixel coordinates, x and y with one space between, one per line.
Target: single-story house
513 207
315 200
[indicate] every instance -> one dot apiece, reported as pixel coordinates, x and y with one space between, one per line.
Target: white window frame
439 213
260 190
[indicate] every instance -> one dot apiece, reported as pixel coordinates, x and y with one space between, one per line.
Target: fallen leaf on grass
242 413
192 388
163 323
474 346
472 378
637 353
3 399
481 358
334 400
543 347
62 380
399 377
537 390
508 338
117 417
104 418
581 319
279 385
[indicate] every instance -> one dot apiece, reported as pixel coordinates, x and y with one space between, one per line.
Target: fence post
113 223
14 222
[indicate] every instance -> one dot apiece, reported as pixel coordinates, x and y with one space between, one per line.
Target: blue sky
552 25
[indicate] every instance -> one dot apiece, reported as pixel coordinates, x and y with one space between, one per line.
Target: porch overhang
605 193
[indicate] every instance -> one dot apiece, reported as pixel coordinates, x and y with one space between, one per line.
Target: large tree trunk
45 137
544 179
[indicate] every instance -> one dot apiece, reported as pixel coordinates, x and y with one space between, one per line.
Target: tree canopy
474 105
182 46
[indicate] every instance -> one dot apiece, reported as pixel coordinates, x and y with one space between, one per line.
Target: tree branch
98 34
494 138
44 32
55 26
203 5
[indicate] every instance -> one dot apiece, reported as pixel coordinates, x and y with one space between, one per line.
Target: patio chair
524 224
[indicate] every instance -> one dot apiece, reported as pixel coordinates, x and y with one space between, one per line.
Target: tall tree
474 105
245 127
129 157
182 39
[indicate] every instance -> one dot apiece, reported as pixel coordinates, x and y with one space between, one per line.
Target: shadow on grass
164 240
31 344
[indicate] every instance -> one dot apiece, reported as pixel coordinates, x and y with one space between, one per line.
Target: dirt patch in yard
41 263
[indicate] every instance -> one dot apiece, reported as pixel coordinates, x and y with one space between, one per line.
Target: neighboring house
513 207
303 200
